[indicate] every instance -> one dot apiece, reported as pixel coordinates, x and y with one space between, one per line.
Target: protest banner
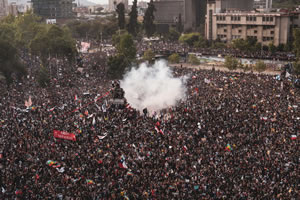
64 135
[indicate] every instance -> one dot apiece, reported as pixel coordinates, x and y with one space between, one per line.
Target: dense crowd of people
234 136
164 47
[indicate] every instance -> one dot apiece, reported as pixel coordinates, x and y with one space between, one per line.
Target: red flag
64 135
184 148
123 165
294 137
75 98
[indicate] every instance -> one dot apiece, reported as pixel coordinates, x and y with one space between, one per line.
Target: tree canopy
132 26
148 22
121 15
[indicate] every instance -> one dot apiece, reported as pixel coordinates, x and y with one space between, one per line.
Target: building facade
113 3
262 4
191 12
265 27
53 9
3 8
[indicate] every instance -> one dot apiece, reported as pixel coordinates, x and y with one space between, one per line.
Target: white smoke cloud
153 87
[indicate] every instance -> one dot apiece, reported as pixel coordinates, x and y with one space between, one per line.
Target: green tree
296 66
28 25
173 35
193 40
117 66
132 26
272 48
174 58
126 54
231 63
54 42
148 22
9 61
8 32
127 47
193 60
121 15
148 55
43 78
240 44
260 66
296 43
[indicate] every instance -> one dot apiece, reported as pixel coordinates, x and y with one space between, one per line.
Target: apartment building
262 4
266 27
3 8
54 9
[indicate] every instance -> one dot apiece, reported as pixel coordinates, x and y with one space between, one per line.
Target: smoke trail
153 87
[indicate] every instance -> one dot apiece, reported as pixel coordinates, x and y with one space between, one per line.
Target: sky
106 1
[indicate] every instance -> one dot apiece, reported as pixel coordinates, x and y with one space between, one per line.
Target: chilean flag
184 148
294 137
123 165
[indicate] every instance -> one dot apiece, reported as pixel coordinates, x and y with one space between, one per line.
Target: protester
235 136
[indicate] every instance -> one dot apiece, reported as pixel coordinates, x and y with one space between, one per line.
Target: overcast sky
106 1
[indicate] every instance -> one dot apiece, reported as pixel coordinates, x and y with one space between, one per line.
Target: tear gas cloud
153 87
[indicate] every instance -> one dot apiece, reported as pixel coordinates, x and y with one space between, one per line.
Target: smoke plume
153 87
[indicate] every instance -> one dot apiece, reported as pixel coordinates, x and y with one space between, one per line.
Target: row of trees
133 26
28 33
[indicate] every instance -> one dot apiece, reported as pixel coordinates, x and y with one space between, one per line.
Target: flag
228 147
287 75
156 128
60 170
207 81
161 132
294 137
75 97
123 165
129 173
51 109
89 182
94 121
102 137
184 148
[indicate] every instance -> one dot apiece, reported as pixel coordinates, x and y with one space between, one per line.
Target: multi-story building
191 12
3 8
262 4
112 4
54 9
265 27
13 9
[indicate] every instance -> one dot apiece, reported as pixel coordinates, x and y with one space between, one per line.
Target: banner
85 47
64 135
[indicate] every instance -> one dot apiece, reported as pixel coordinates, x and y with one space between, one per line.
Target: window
264 19
271 19
240 31
254 19
267 19
255 31
225 30
272 32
